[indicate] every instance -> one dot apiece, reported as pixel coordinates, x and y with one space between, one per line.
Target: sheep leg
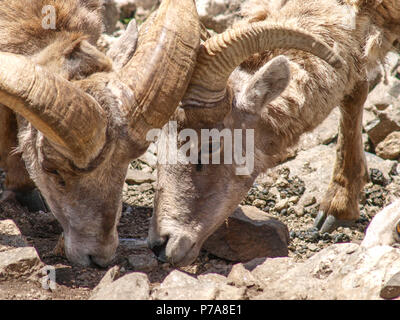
17 178
340 204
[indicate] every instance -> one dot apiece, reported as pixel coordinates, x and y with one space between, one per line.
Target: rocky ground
284 202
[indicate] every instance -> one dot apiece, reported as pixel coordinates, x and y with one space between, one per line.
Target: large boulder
181 286
249 233
342 271
10 236
133 286
389 148
19 263
17 259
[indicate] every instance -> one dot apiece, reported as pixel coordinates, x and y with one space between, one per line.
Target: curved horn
222 54
162 66
68 117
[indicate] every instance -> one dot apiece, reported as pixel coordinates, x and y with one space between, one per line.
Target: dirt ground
42 231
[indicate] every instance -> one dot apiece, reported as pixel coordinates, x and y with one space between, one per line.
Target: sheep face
87 203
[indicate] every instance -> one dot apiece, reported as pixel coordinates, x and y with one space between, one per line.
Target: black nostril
159 250
94 264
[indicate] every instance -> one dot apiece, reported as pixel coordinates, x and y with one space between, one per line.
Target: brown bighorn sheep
79 120
244 80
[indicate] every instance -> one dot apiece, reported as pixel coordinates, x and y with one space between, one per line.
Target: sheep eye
398 228
55 173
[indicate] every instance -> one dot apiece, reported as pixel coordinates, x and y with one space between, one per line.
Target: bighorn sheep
79 121
244 80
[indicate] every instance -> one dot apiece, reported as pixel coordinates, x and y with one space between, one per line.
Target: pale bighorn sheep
80 121
243 81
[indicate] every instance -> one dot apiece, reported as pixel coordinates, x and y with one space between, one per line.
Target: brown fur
21 28
199 202
81 121
21 32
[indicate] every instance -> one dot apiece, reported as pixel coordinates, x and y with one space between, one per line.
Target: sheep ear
267 84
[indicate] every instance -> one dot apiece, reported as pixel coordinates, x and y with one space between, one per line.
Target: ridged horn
68 117
220 55
160 71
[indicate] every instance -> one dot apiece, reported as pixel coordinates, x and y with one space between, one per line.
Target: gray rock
197 292
114 10
212 277
342 271
283 204
225 291
145 187
259 203
271 270
249 233
375 77
218 15
180 286
391 64
18 263
10 236
150 156
178 279
241 277
252 264
108 279
139 177
126 8
134 286
389 148
382 229
374 162
369 115
384 99
144 4
391 289
308 200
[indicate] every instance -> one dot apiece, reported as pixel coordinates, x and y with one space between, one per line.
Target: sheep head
82 122
204 195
